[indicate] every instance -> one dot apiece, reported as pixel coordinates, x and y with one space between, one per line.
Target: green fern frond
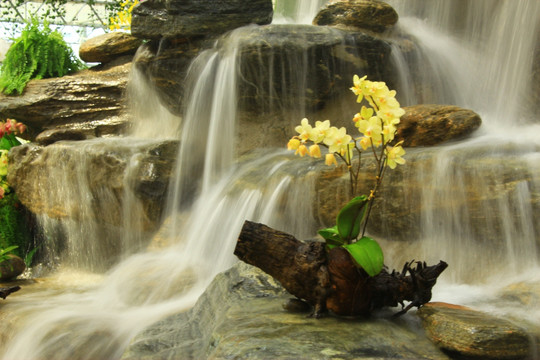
36 54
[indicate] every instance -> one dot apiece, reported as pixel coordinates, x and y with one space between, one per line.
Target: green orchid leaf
350 218
367 254
331 236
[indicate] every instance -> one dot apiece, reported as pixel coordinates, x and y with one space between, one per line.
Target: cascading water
100 315
478 196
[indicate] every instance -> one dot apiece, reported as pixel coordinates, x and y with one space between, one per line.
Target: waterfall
475 54
296 11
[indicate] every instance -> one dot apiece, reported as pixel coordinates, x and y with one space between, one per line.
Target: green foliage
4 253
36 54
366 252
13 229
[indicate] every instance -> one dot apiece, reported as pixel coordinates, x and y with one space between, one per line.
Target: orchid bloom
337 140
372 129
293 144
315 151
330 159
394 155
304 129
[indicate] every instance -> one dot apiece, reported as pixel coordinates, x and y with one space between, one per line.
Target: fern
36 54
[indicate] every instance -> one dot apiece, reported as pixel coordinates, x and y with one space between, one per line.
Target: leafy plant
36 54
4 253
377 126
13 232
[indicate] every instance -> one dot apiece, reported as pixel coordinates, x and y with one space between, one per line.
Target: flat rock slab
153 19
472 333
108 47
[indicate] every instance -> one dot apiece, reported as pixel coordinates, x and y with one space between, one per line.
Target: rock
284 67
154 19
428 125
48 137
91 100
92 183
471 333
370 15
409 196
240 316
11 267
166 64
109 46
274 63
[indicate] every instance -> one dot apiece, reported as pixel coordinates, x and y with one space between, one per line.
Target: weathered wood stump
330 280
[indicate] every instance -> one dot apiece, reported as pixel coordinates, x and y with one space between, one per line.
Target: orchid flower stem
380 175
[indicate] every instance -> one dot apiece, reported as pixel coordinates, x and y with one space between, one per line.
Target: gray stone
154 19
240 317
109 46
370 15
91 100
471 333
428 125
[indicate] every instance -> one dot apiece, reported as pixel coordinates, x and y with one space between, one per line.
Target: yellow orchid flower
330 159
394 155
315 151
293 144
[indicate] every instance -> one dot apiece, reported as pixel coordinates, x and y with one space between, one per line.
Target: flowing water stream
476 54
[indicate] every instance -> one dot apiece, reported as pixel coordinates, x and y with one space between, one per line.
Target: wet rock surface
471 333
241 316
104 166
375 16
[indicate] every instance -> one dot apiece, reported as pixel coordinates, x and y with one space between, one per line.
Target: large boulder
370 15
280 67
109 46
240 316
91 100
102 165
110 192
474 334
154 19
428 125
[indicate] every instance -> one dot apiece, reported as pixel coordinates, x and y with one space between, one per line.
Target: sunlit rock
471 333
91 100
428 125
361 14
109 46
154 19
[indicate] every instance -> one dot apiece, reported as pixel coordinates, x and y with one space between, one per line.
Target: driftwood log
329 280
